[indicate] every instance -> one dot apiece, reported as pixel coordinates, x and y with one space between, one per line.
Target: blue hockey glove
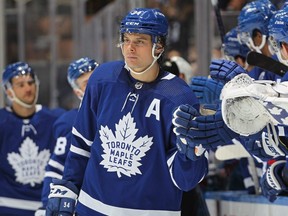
206 90
210 131
225 70
263 148
182 118
271 182
40 212
186 146
62 198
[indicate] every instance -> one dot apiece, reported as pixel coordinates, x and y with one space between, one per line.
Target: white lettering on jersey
29 166
60 146
123 151
154 109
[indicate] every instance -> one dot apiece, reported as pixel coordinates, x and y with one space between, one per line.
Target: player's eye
139 43
22 84
31 82
126 41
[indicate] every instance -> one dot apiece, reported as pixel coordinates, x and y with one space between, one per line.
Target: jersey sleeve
185 173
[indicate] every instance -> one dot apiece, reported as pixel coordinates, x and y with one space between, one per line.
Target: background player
26 141
78 74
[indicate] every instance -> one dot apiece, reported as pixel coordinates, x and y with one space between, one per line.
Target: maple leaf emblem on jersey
29 166
123 151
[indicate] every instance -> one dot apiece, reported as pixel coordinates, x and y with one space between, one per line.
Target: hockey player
264 129
270 146
275 180
252 32
279 35
234 50
253 23
26 141
124 159
78 74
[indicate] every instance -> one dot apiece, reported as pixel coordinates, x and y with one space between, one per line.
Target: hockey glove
182 118
62 198
264 148
40 212
206 90
186 146
210 131
209 109
225 70
271 182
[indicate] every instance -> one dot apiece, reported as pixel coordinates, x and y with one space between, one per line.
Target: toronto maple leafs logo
123 152
29 166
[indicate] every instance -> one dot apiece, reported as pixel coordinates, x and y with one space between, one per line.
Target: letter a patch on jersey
154 109
123 151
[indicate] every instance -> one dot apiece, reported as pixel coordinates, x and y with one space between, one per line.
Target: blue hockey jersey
123 154
62 132
26 145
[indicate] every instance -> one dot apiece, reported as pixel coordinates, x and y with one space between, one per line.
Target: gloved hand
206 90
210 131
62 198
186 146
225 70
181 118
271 182
40 212
263 148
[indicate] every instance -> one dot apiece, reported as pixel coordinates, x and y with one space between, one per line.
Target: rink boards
239 203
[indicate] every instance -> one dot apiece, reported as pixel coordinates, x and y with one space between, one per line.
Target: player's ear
159 48
78 93
9 93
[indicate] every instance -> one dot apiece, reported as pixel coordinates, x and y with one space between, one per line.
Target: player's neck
23 111
148 76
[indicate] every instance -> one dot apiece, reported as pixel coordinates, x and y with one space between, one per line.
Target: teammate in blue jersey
78 74
26 141
253 31
252 25
123 158
275 180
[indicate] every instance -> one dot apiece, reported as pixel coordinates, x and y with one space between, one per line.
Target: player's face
83 80
136 49
257 39
24 88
